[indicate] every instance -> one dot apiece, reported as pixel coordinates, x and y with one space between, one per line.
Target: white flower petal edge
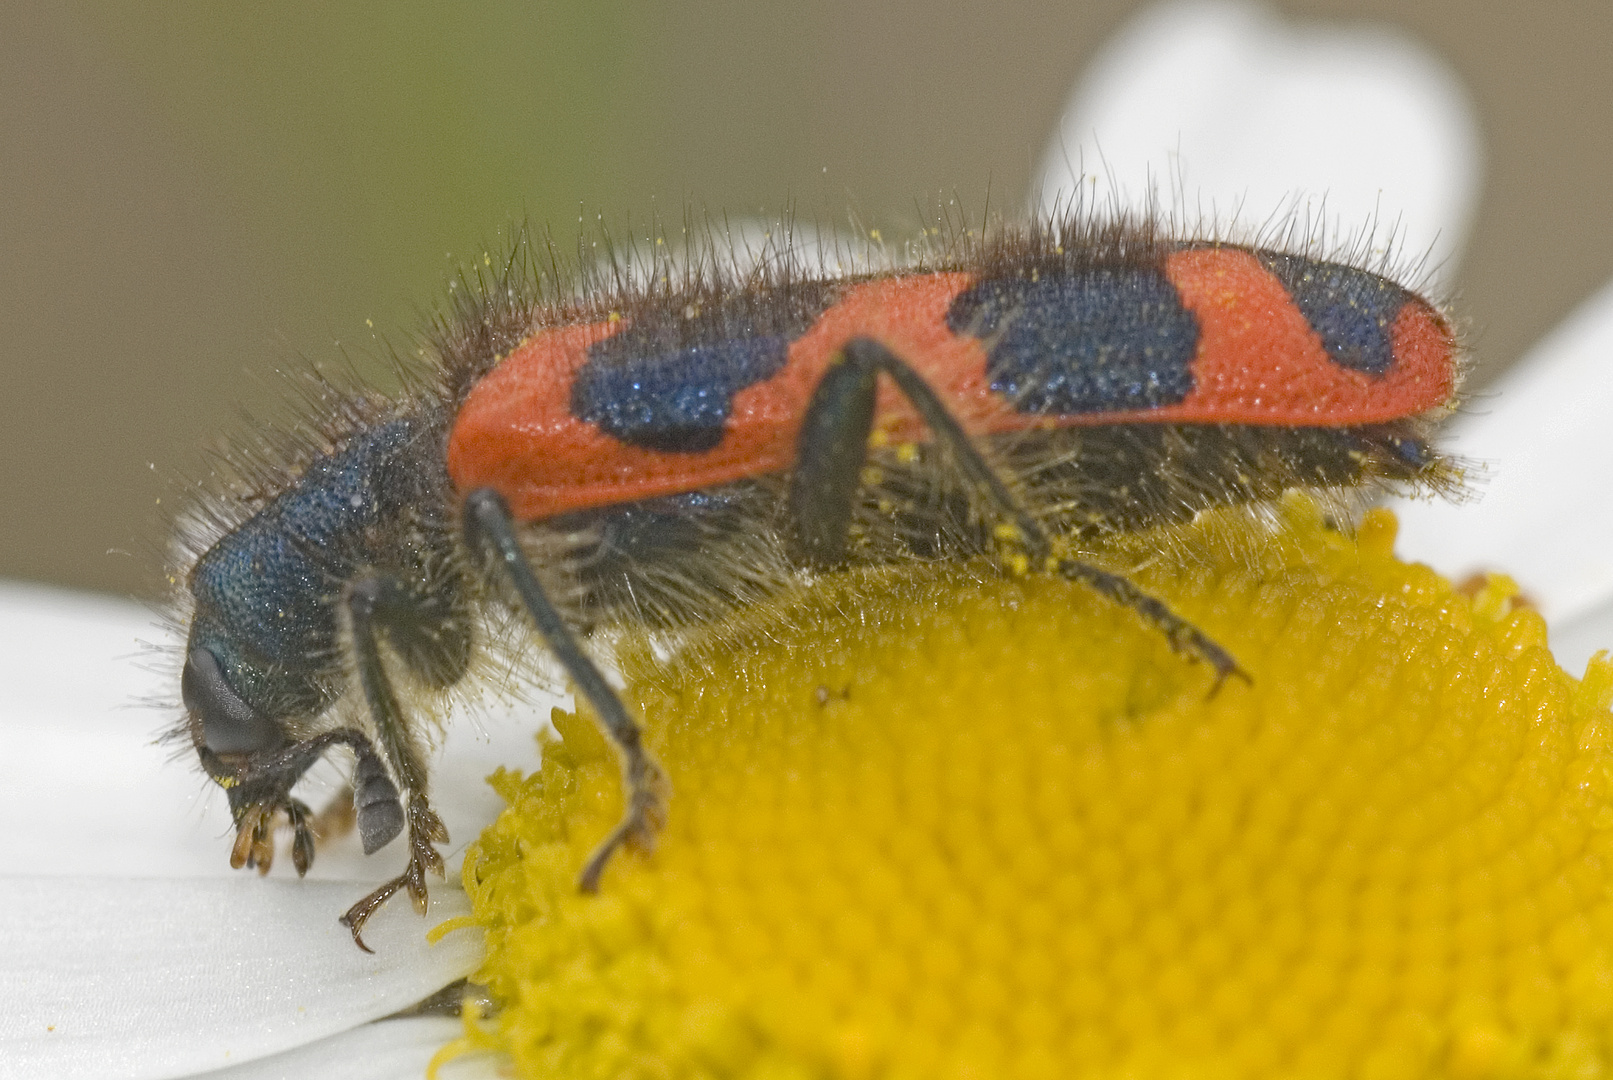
1543 513
149 979
390 1050
1237 112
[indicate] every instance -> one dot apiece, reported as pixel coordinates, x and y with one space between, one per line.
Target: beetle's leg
259 788
489 527
1182 635
413 621
833 448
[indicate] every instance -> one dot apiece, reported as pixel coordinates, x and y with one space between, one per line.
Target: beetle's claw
425 831
647 798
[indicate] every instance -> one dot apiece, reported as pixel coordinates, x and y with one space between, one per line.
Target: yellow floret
940 822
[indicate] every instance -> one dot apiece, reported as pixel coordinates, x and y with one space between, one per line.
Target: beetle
657 452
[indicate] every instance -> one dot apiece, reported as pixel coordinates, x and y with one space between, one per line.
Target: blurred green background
194 195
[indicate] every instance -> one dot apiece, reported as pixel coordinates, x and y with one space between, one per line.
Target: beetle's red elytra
658 453
1258 360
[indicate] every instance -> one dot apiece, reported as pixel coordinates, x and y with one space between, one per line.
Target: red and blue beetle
663 453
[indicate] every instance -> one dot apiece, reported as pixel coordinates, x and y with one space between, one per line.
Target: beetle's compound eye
229 725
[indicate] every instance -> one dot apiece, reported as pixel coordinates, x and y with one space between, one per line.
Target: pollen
1008 533
939 823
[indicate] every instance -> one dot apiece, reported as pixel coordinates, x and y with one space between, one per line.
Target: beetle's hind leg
1182 635
827 481
424 630
490 529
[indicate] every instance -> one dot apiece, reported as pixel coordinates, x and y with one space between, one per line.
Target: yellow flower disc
934 822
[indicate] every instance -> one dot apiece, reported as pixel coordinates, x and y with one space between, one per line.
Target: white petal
167 978
389 1050
1543 515
80 741
1236 109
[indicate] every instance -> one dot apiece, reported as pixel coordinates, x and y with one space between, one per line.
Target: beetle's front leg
420 628
425 831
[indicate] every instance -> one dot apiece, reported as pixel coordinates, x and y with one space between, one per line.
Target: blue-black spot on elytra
672 401
1350 309
1096 341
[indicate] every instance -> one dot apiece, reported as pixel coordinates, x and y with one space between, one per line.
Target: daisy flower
133 950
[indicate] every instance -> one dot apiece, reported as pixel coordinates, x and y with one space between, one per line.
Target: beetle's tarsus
425 831
1182 636
647 795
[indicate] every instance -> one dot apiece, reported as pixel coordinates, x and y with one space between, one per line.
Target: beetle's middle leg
827 482
490 529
